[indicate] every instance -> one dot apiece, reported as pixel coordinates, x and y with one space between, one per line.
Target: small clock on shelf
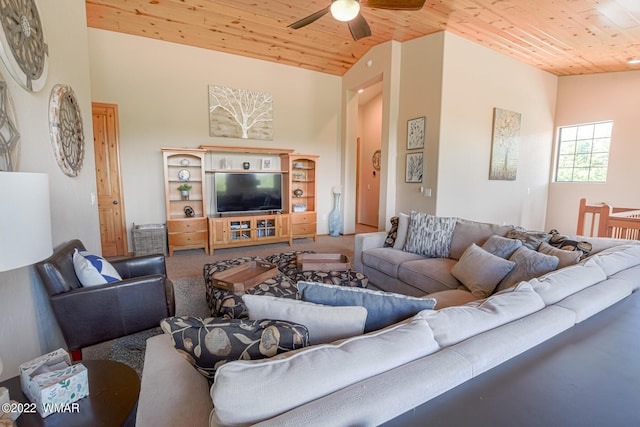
184 175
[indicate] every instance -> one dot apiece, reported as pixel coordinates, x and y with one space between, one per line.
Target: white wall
28 330
475 80
594 98
161 91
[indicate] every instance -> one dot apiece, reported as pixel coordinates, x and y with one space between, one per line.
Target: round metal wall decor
22 44
9 134
65 129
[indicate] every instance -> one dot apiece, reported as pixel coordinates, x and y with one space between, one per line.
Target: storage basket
149 239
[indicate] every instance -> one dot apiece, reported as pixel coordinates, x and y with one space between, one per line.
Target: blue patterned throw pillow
93 270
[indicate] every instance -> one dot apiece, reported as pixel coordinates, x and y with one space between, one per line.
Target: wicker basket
149 239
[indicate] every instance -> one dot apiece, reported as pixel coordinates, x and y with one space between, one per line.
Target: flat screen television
248 192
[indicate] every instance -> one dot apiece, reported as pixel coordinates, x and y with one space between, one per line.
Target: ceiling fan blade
309 19
359 27
394 4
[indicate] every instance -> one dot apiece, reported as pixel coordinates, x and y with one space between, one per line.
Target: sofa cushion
468 232
430 274
565 257
451 298
393 233
93 270
529 264
501 246
208 343
403 231
596 298
325 323
455 324
274 386
387 260
530 239
559 284
430 235
383 308
480 271
618 258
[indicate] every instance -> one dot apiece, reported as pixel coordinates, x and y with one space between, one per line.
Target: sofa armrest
140 266
172 393
366 241
90 315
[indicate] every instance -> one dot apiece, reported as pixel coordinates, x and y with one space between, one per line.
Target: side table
113 398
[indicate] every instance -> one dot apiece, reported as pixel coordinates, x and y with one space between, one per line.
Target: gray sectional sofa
369 379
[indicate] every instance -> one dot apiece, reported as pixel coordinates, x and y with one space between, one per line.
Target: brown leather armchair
91 315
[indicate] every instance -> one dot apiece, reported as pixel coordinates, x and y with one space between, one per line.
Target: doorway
368 156
111 213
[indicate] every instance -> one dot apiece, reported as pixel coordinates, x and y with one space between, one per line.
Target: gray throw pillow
480 271
383 308
566 257
529 264
430 235
501 246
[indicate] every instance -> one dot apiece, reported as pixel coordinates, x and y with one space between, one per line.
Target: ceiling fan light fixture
345 10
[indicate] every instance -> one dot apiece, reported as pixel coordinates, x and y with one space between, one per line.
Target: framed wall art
416 129
240 113
504 145
414 167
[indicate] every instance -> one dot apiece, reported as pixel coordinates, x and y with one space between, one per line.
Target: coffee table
113 398
223 303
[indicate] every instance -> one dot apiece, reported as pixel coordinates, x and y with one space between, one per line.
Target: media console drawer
305 218
187 225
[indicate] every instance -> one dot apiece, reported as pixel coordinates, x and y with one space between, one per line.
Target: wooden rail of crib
602 220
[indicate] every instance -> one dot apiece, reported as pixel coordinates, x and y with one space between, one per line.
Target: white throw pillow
93 270
324 323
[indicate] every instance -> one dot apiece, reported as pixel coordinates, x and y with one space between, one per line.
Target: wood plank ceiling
563 37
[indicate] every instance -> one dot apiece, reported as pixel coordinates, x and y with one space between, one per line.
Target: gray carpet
190 300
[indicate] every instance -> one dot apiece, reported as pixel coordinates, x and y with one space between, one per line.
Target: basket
149 239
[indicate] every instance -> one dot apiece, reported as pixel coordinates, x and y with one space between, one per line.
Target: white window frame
583 152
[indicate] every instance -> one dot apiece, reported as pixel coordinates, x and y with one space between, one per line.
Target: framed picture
266 164
504 145
415 167
416 133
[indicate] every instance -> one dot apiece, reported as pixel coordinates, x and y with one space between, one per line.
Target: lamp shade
25 219
345 10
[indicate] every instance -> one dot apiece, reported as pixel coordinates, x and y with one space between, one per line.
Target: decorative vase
185 194
335 217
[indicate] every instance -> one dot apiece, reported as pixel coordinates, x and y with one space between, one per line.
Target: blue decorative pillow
383 308
93 270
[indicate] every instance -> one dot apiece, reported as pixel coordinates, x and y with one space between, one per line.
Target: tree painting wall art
240 113
414 167
504 147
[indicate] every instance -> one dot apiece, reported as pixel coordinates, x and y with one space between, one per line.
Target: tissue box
51 381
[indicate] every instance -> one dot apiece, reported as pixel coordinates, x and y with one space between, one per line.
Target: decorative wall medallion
22 45
376 160
9 134
65 129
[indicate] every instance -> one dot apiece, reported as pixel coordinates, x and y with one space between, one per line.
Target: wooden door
106 145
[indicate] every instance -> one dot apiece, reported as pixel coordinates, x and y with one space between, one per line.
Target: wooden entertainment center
210 230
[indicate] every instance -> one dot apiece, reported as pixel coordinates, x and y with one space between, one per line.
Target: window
583 152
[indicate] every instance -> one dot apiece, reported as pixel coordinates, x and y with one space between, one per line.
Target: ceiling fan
349 11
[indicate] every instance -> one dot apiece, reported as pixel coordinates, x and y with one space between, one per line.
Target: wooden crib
602 220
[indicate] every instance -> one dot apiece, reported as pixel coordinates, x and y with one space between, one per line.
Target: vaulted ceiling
563 37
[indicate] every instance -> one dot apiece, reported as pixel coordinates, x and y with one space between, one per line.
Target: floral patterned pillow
209 343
